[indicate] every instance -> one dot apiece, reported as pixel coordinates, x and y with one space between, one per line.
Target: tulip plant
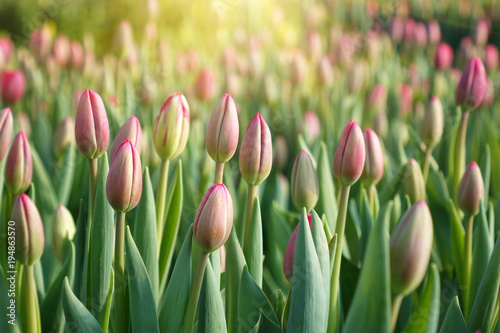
343 181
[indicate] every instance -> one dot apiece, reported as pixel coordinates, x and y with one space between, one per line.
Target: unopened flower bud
124 183
214 218
410 249
63 226
77 56
413 183
444 56
290 251
61 50
406 99
91 125
397 29
223 130
481 32
491 57
30 238
324 72
312 126
63 136
305 187
433 31
374 161
471 190
18 168
470 89
205 85
22 121
6 125
377 99
280 151
256 152
298 69
12 86
349 156
432 125
130 130
171 127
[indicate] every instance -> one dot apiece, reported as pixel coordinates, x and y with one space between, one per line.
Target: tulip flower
12 86
63 226
61 50
406 99
130 130
470 89
413 182
77 56
444 56
491 57
432 125
18 168
205 85
298 69
374 161
433 31
420 34
290 251
305 187
481 32
40 41
63 136
397 28
6 125
280 151
377 99
324 72
311 126
471 190
349 156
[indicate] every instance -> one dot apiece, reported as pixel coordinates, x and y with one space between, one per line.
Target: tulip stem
460 152
467 265
334 282
32 317
219 173
194 293
395 307
161 193
425 166
252 193
93 185
121 305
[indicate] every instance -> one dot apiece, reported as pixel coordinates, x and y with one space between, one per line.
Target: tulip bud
432 125
349 156
223 130
406 99
12 86
77 56
491 57
434 31
22 121
30 238
280 152
397 28
63 226
357 77
171 127
481 32
6 125
205 85
413 183
61 50
374 161
444 56
313 44
410 249
305 187
377 99
130 130
312 126
124 183
471 190
256 152
470 89
420 34
19 168
40 41
91 125
214 218
232 83
324 72
290 251
63 136
298 69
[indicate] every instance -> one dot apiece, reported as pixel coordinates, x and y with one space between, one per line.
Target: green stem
395 306
32 323
121 306
161 194
425 166
460 152
219 173
467 264
334 282
93 185
194 294
252 193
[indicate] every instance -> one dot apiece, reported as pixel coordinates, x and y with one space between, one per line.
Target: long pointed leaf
211 310
77 315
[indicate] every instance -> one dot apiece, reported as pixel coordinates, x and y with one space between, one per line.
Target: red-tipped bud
349 157
397 29
124 183
214 218
61 50
471 190
223 130
12 86
63 136
432 125
444 56
413 183
130 130
410 249
6 125
256 152
406 100
434 32
205 85
491 57
420 34
374 162
171 127
305 187
30 237
377 99
91 125
312 126
63 226
470 89
481 32
19 168
290 251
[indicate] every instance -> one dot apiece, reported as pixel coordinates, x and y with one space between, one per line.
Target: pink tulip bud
444 56
223 130
413 182
491 57
76 54
30 237
63 136
406 100
324 72
171 127
91 125
377 99
313 44
471 190
290 251
205 85
397 29
63 226
22 121
193 60
298 69
256 152
311 126
130 130
481 32
357 77
305 187
434 32
232 83
12 86
18 168
473 83
6 125
374 161
61 50
420 34
40 41
410 249
124 183
6 48
280 152
409 34
214 218
349 156
432 125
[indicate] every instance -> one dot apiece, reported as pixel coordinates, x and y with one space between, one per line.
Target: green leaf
174 302
486 172
211 310
143 317
457 239
254 251
371 305
327 204
454 321
63 179
77 315
308 310
145 232
322 251
101 247
425 318
366 224
80 249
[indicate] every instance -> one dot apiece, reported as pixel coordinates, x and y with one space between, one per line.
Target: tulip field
249 166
